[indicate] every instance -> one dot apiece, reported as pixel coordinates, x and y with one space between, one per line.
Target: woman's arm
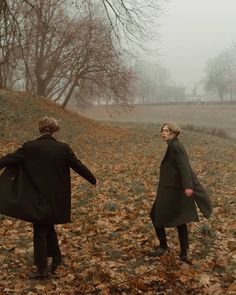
183 166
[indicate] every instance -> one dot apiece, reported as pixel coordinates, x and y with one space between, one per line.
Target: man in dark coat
36 187
177 192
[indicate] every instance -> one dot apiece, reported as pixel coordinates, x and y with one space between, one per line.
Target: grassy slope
111 232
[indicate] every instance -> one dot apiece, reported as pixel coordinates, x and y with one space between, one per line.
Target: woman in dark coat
36 187
177 192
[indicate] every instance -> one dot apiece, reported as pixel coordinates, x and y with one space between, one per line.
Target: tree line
64 49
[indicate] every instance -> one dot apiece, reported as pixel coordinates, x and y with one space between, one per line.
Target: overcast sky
193 31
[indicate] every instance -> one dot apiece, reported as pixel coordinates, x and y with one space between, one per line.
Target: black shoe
185 258
55 264
158 252
40 274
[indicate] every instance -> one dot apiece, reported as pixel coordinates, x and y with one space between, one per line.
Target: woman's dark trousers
45 245
183 238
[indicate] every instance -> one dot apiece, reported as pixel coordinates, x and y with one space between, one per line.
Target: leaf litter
105 247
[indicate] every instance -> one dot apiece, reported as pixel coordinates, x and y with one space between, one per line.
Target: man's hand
188 192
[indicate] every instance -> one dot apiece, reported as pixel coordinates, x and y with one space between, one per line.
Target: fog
191 32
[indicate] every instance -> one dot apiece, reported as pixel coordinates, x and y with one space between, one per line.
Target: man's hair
48 125
173 127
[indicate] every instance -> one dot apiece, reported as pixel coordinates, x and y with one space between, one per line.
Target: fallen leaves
105 247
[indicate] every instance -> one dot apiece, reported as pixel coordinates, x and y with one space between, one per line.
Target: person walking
178 192
36 187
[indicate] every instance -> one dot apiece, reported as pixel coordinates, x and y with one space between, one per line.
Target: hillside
105 247
20 112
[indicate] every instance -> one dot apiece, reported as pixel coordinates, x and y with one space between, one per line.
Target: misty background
88 54
193 32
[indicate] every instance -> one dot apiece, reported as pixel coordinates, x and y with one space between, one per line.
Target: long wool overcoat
36 185
172 207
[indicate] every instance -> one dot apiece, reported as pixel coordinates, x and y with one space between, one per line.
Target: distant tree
218 77
150 77
231 52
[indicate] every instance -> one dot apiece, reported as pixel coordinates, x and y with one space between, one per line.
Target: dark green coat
172 207
36 185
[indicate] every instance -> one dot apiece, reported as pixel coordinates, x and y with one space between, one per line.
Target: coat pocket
172 184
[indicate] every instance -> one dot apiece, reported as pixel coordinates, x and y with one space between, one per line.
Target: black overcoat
36 185
172 207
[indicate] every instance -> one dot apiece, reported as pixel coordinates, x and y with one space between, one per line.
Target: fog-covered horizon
191 33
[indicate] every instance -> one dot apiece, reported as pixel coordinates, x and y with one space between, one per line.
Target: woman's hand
188 192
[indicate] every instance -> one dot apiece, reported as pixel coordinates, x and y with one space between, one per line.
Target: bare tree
218 75
9 35
99 67
114 85
47 34
231 54
61 54
131 20
151 77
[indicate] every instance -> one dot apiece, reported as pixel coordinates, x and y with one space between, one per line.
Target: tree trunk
41 87
67 98
221 96
1 78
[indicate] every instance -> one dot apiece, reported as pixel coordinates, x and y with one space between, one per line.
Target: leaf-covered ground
106 246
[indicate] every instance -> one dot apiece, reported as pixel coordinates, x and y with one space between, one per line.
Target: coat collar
172 140
167 150
46 136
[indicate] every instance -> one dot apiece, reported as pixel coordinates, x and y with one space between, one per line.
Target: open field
210 116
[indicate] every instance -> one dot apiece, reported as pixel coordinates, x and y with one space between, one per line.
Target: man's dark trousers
45 245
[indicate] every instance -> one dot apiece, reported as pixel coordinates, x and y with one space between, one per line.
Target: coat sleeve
80 168
183 164
13 159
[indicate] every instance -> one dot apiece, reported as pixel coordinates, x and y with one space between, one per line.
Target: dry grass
219 119
219 132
